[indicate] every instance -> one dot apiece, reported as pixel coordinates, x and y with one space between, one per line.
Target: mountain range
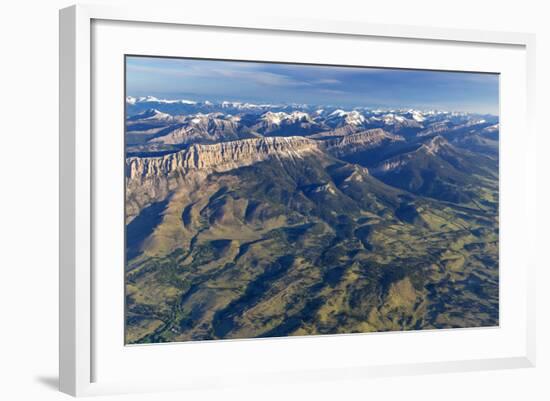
246 220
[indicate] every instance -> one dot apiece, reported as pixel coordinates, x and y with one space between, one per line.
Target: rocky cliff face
219 157
435 144
151 179
360 141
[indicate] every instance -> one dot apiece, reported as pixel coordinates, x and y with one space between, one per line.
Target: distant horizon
312 84
195 98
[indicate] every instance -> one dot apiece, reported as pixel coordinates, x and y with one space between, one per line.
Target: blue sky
173 78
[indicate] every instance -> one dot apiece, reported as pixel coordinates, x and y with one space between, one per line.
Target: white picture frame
77 367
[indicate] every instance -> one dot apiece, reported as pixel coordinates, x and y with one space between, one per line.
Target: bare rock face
201 128
340 131
434 145
151 179
218 157
360 141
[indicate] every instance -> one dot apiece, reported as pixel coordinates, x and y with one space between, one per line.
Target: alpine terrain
259 220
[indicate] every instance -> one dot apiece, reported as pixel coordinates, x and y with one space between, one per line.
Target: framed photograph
275 200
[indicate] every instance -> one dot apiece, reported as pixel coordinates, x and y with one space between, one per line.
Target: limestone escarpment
218 157
150 179
360 141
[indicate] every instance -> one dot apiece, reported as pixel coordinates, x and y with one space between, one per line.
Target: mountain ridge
293 232
220 157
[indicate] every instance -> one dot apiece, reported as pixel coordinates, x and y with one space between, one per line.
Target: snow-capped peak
417 116
152 99
338 113
159 115
147 99
476 122
355 118
245 106
350 117
392 118
274 117
277 118
298 115
491 128
153 114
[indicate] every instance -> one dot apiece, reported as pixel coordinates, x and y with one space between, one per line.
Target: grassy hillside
313 246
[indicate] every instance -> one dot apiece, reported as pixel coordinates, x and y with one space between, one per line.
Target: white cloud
332 91
328 81
208 71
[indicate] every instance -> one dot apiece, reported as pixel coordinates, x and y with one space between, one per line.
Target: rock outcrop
201 128
151 179
360 141
219 157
